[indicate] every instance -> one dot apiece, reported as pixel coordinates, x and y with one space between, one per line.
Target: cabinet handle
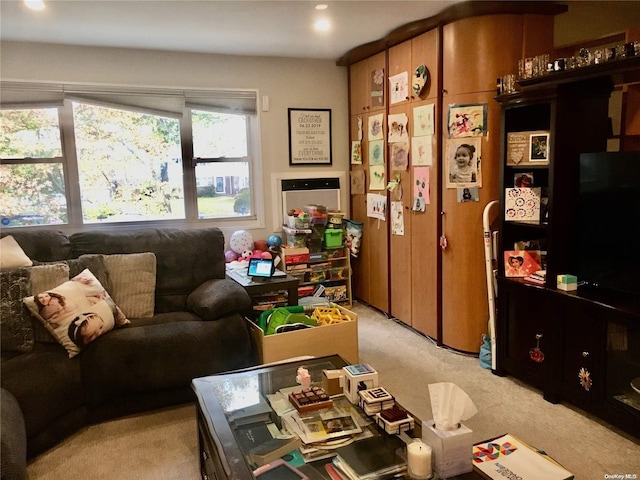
585 354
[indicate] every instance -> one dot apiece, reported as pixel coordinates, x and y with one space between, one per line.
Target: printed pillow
12 255
76 312
133 282
45 277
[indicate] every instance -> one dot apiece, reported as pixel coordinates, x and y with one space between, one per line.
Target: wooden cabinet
594 334
368 84
439 293
413 267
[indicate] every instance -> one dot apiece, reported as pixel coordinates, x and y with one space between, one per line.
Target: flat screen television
607 237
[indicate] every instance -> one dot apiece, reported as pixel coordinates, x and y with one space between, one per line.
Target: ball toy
274 241
240 241
266 255
246 254
260 245
230 256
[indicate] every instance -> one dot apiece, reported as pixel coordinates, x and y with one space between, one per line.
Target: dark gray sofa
197 329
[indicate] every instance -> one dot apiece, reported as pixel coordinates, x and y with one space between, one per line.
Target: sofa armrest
14 439
218 297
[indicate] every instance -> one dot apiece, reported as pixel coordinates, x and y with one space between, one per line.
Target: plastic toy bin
332 237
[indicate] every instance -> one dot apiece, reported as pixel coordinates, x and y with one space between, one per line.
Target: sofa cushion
15 321
217 298
12 255
76 312
46 384
184 258
133 282
43 245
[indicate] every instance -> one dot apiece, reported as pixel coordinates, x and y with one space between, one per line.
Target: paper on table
450 405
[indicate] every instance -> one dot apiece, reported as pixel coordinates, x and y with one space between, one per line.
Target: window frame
191 220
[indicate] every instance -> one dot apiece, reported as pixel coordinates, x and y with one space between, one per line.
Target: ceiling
281 28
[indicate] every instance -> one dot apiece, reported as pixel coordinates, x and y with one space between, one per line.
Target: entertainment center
583 346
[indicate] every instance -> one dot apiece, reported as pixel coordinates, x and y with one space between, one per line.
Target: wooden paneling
359 87
424 50
465 310
359 266
478 50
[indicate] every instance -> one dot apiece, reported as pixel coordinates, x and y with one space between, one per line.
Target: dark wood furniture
221 456
589 339
256 288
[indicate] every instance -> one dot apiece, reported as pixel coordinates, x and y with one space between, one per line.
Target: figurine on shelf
303 377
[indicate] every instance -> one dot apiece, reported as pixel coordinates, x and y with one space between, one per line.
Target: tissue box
452 449
568 283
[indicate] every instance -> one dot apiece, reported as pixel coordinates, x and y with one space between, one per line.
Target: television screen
608 227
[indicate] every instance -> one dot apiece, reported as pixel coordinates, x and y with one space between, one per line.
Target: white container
452 449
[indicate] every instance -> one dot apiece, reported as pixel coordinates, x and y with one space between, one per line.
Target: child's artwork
398 130
421 153
376 152
399 155
359 128
377 206
377 88
397 218
377 177
357 182
520 263
423 120
375 128
523 180
467 120
522 204
468 194
421 191
356 152
463 163
399 88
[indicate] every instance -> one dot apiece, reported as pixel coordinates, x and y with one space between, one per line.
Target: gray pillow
15 320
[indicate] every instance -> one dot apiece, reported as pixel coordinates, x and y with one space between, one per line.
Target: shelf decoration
528 148
585 379
520 263
310 136
522 204
420 78
467 120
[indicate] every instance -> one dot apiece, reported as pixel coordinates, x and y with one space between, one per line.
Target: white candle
419 459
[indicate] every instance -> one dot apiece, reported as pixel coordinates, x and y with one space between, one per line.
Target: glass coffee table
233 409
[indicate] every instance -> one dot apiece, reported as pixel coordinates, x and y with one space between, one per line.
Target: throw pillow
15 326
12 255
44 278
133 282
77 311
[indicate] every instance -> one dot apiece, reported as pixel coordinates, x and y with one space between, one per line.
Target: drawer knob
585 354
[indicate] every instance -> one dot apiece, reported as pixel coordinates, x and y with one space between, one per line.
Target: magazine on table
322 425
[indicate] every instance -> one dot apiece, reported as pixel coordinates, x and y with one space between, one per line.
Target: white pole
486 227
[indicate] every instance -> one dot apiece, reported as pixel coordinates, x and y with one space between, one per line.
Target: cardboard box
338 338
452 449
294 256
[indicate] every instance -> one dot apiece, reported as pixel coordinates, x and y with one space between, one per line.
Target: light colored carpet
163 445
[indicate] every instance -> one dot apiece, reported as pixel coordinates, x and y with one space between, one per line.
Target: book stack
394 420
538 277
375 399
371 458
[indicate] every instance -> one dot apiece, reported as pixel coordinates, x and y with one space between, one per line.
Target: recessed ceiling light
322 6
322 25
34 4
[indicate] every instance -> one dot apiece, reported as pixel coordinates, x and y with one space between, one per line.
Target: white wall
299 83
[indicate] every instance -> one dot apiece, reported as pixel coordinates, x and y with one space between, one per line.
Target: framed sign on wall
310 136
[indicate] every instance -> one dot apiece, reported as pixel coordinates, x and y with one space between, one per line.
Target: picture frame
539 147
310 136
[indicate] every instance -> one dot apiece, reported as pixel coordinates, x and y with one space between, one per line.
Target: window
114 156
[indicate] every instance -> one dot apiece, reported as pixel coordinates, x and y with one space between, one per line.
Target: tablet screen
260 267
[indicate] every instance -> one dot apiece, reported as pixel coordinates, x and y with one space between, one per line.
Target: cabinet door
360 265
584 330
368 84
359 85
526 338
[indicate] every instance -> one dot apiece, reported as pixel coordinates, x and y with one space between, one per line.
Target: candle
419 459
